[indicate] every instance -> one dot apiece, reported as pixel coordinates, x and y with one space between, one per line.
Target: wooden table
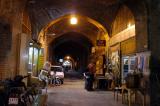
97 81
131 92
117 90
134 92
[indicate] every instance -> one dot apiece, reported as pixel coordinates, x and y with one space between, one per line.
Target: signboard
13 101
101 42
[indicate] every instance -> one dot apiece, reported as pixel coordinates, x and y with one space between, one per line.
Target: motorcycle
13 90
54 80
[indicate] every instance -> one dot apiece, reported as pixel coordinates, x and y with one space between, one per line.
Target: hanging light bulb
73 20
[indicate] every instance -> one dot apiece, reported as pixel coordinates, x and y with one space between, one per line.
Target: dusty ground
72 93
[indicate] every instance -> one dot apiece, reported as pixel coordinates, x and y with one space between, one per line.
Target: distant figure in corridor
89 76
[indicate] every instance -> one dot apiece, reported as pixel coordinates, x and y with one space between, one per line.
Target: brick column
154 44
5 47
11 13
46 51
15 48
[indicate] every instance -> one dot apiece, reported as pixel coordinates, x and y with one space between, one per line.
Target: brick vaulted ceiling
43 12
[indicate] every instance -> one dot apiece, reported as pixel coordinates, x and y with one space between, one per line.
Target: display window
35 62
99 65
115 63
30 57
143 62
33 57
129 65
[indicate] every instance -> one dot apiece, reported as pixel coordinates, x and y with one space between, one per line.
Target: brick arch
123 28
122 21
74 40
140 12
83 35
70 36
101 28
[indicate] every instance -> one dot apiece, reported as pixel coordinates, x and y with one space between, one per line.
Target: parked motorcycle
54 80
13 90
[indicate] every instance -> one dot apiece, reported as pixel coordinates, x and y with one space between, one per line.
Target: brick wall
10 28
123 31
5 47
123 19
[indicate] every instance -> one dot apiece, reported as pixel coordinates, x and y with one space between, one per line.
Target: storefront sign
101 42
13 101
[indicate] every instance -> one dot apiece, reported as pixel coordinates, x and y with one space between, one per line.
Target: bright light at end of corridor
73 20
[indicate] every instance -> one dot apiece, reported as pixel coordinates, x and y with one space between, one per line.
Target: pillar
154 44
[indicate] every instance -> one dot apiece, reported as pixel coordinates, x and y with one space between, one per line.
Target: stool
116 91
132 92
124 95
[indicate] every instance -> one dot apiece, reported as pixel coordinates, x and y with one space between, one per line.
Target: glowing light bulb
73 20
68 57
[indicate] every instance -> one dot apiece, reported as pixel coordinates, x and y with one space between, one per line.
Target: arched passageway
72 44
46 25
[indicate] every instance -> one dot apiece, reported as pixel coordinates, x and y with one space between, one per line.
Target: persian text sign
13 101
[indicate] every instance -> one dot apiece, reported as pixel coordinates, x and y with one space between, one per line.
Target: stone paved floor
72 93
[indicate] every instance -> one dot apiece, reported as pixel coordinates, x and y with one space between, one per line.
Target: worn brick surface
10 29
72 93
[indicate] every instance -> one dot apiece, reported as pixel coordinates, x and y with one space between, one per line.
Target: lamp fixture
51 34
68 57
73 20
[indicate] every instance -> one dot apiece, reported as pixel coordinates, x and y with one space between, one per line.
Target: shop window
128 65
30 58
115 61
33 58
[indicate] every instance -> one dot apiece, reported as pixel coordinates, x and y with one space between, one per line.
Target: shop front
143 59
128 66
114 62
129 59
35 59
